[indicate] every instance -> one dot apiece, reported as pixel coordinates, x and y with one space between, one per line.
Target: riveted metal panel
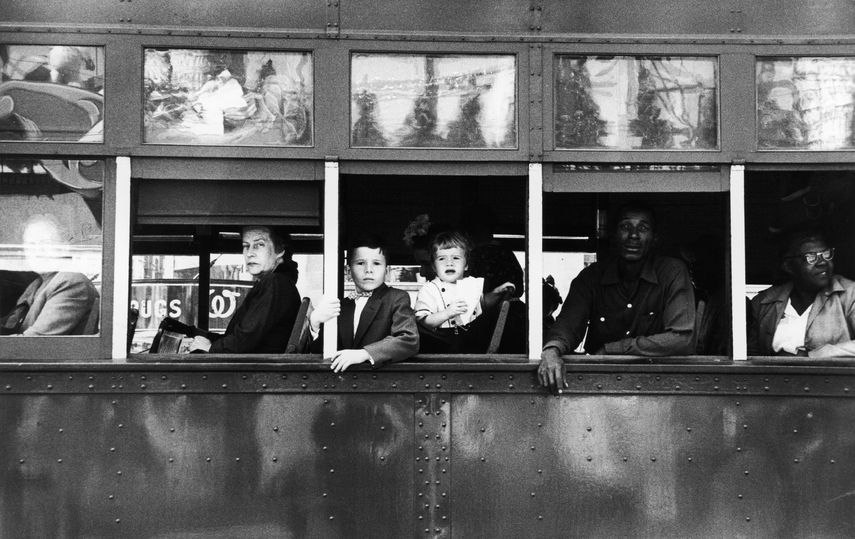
636 466
638 17
302 14
432 477
215 465
462 16
279 450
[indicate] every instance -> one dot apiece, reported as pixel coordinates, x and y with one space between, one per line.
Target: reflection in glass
51 93
805 103
228 97
622 102
425 101
50 246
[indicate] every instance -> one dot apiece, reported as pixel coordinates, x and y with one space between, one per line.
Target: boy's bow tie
359 294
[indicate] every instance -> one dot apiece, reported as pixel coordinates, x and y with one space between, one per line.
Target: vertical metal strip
121 258
432 465
534 260
737 261
332 269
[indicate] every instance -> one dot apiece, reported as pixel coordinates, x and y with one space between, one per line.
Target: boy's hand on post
345 358
325 310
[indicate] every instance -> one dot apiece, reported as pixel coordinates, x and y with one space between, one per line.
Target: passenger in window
449 307
489 258
636 303
56 302
376 323
263 322
813 314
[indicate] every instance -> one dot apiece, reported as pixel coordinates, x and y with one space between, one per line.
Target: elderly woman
811 315
263 322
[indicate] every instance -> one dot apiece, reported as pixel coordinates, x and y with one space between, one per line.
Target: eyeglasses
813 258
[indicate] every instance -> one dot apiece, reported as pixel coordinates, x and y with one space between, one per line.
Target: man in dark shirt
637 304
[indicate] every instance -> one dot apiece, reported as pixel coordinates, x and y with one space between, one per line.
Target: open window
187 261
790 214
581 207
408 210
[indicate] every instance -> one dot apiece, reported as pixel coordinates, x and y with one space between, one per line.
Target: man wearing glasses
813 314
636 303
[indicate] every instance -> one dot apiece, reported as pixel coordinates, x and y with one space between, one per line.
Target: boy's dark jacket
387 327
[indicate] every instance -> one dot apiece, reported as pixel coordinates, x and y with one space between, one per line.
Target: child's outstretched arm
491 299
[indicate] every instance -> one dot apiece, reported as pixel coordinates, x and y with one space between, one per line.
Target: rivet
580 377
163 377
739 496
171 429
394 385
738 449
10 387
59 461
653 459
237 459
747 519
831 461
332 517
304 386
510 386
483 459
324 448
688 429
806 389
745 472
590 458
532 448
715 388
171 459
638 387
49 386
276 429
22 461
796 461
492 377
183 386
142 386
382 458
118 521
61 431
284 376
532 494
483 429
204 377
225 386
110 497
332 470
745 425
112 450
539 517
207 459
119 472
690 459
121 426
305 377
624 459
471 386
353 386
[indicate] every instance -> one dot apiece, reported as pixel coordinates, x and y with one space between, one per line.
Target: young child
376 323
451 301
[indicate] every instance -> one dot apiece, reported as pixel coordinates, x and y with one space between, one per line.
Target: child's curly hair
448 239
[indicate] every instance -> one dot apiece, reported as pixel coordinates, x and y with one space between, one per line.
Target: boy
376 322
